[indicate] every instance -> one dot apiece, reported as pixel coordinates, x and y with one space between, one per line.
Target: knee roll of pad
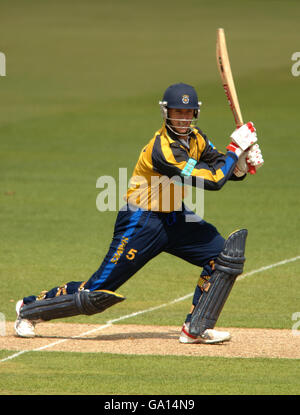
231 259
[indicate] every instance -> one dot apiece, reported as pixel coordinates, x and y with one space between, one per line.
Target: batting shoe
209 336
23 327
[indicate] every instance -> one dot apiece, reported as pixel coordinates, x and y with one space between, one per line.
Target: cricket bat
224 67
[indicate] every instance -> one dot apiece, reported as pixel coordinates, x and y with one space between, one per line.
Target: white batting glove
242 138
254 157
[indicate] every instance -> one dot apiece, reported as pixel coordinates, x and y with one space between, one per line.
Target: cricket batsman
147 226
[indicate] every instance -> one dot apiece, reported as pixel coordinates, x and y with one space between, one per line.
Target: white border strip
177 300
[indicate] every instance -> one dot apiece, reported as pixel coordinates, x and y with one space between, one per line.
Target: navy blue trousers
140 235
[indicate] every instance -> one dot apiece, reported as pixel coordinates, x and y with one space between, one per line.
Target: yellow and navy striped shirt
165 157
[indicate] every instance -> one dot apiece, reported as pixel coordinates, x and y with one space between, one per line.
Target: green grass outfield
111 374
79 101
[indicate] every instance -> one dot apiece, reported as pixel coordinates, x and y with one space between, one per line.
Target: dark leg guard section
82 302
228 266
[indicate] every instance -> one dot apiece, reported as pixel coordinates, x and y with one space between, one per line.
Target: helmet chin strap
189 130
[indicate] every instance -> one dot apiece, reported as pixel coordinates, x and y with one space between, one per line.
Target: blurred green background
80 100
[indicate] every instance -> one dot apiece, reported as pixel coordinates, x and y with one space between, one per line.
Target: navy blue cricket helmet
180 96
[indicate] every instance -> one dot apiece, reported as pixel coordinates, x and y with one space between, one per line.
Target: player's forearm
216 174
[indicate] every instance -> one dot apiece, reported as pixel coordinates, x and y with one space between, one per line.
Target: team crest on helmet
185 99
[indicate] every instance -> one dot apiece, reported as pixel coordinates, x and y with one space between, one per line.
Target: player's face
180 119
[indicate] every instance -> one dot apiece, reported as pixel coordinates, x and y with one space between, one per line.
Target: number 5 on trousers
131 254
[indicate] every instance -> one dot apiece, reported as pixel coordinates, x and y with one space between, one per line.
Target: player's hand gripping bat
227 81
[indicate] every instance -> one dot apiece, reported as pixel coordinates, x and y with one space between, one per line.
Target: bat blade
224 67
227 78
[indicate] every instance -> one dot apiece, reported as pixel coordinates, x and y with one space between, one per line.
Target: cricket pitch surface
152 340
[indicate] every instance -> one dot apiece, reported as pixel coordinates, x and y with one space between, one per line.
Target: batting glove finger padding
251 126
254 157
